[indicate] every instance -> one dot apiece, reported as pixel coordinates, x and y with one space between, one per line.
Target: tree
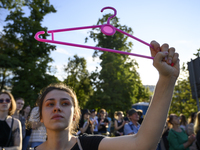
29 75
78 79
182 101
118 83
198 53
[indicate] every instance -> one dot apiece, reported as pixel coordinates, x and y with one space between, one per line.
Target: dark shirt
103 129
88 130
87 142
119 124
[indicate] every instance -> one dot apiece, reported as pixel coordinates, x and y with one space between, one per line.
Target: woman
177 137
119 123
85 124
10 128
103 122
183 121
197 130
18 115
59 111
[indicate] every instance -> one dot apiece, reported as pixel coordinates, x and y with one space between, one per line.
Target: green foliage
118 84
9 4
182 101
198 53
78 79
24 56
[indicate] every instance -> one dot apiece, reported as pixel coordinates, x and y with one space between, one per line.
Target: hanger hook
115 12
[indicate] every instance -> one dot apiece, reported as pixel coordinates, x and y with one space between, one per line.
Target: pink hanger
106 29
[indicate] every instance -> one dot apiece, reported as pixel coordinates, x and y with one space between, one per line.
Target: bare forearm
155 119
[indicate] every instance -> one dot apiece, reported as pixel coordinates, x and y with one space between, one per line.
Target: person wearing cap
94 120
85 124
133 126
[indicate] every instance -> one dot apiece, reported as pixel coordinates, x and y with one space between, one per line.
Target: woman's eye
65 103
50 104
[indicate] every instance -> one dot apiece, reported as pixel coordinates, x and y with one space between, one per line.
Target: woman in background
197 130
10 128
177 137
183 121
119 123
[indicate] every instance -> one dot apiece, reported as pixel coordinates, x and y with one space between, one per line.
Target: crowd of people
58 123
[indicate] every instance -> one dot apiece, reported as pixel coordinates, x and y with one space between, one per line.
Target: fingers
156 48
171 55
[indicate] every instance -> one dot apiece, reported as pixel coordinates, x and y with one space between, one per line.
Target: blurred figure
177 137
85 125
26 115
133 126
140 113
126 119
109 122
197 130
183 121
103 122
10 128
17 115
119 123
164 144
190 129
94 120
38 134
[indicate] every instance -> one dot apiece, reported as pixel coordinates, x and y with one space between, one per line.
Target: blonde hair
12 108
197 123
117 113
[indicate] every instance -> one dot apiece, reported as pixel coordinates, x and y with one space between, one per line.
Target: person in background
140 113
133 126
10 128
190 129
86 125
109 122
119 123
126 119
18 115
177 137
183 121
103 122
38 134
94 120
26 115
197 130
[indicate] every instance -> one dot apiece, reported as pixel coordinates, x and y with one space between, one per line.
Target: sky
176 22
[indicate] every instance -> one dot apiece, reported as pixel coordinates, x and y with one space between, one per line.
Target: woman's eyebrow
51 99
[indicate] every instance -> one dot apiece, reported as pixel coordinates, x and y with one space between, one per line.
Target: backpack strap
79 144
10 135
130 126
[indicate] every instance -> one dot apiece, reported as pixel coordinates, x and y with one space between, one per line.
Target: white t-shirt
39 134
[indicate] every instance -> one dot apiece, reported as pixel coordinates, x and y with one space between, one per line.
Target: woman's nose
57 108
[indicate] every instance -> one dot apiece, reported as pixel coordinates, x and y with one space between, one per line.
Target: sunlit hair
13 103
183 120
61 87
197 123
117 113
192 117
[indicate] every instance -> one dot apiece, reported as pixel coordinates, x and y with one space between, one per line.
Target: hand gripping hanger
106 29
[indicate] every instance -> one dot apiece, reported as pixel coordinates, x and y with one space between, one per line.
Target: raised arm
151 129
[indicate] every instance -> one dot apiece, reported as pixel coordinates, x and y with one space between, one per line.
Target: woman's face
175 120
6 102
27 109
57 110
20 104
86 116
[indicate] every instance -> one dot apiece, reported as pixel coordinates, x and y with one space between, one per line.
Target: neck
176 127
134 122
59 140
3 115
16 112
